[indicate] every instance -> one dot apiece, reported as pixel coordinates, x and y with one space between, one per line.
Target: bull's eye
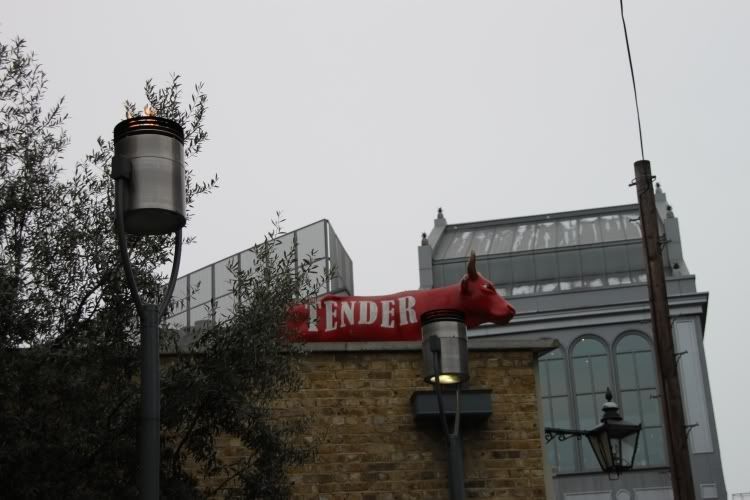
489 287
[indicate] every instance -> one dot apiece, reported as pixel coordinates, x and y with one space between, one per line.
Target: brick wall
370 447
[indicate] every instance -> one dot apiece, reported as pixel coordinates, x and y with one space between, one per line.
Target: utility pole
679 453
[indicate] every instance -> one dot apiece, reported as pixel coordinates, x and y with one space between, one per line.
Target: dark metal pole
150 401
679 453
455 446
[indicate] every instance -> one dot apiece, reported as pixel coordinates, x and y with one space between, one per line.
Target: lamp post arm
173 275
123 243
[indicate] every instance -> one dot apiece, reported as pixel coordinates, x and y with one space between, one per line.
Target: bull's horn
471 269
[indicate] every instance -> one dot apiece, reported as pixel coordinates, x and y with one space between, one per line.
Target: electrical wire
632 76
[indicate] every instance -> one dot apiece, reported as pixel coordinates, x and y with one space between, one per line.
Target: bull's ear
471 269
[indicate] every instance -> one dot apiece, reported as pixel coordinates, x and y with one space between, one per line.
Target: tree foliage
69 341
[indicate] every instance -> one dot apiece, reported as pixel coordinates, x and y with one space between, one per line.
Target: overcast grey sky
373 114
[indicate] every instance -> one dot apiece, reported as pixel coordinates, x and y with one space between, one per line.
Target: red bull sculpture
392 317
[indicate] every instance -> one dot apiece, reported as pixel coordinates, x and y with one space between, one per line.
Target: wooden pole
674 416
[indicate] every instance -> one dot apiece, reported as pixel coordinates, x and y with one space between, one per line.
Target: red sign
337 318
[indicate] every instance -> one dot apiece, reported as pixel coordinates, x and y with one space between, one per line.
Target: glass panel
557 379
177 322
502 241
592 262
523 289
311 238
524 239
223 275
501 271
200 317
616 259
600 368
566 456
589 459
200 284
178 303
629 406
588 230
523 268
650 408
548 287
635 257
453 272
632 225
567 233
593 282
545 266
459 245
570 285
587 415
284 244
626 371
560 412
582 375
645 367
546 236
556 354
619 279
547 411
569 264
640 278
631 343
224 307
482 242
655 439
587 347
247 260
612 229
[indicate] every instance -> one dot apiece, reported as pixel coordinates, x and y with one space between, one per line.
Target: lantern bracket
550 433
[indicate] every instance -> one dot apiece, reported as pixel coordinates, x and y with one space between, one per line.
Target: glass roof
458 242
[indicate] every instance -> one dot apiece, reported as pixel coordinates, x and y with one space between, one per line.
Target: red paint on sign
337 318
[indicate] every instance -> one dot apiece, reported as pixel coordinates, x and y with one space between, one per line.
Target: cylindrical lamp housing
449 328
149 154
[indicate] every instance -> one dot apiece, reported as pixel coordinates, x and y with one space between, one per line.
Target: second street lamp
149 173
614 441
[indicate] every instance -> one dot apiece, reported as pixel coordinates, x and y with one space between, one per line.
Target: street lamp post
445 362
614 440
149 173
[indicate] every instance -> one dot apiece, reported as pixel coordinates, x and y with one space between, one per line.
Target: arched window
591 376
556 407
636 375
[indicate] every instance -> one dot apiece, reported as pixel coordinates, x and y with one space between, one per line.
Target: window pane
500 270
178 302
459 245
200 284
523 268
656 451
223 276
570 285
569 264
543 378
524 239
502 241
546 266
612 229
629 406
626 371
600 367
177 322
635 257
587 347
560 412
592 262
546 236
247 260
616 259
200 317
582 375
557 378
224 307
566 456
587 415
482 242
588 231
547 410
567 233
548 287
631 343
650 408
523 289
594 282
644 365
632 226
619 279
311 238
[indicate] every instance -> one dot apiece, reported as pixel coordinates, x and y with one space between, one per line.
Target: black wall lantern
614 441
